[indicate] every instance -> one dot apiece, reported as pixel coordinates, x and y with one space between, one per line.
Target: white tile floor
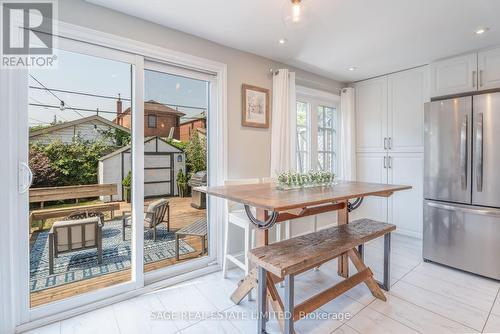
424 297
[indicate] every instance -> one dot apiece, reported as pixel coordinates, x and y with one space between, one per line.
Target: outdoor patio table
274 206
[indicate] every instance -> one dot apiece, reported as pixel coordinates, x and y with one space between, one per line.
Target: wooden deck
181 215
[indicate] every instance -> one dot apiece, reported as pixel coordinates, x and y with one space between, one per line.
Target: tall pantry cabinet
390 145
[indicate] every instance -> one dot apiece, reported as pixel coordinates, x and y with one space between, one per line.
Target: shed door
158 174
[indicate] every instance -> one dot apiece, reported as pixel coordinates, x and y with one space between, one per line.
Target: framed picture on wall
255 106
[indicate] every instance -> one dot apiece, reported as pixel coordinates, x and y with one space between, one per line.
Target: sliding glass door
115 146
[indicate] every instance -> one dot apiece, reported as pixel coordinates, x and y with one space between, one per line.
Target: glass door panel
80 130
175 160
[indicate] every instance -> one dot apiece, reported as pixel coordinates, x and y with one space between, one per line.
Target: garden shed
162 162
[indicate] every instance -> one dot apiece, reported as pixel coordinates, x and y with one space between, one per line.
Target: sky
98 76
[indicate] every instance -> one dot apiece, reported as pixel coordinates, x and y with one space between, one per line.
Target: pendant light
294 13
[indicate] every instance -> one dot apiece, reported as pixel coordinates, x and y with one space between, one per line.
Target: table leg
250 281
343 262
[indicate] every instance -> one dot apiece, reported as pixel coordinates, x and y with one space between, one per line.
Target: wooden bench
41 195
198 229
286 259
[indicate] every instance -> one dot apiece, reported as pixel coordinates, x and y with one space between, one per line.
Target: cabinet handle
474 79
390 143
390 162
480 78
385 162
385 143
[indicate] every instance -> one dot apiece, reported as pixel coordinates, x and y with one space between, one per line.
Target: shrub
74 163
196 154
43 173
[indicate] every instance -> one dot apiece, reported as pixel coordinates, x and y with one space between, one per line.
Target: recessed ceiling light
352 68
481 31
282 40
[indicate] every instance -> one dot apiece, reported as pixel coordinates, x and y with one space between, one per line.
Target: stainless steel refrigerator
462 183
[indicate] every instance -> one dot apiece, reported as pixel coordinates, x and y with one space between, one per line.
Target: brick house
158 119
188 127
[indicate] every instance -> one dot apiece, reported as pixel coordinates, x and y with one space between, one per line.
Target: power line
40 104
62 102
81 93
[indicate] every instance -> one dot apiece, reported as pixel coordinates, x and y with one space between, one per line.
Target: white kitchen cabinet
454 75
407 93
405 208
400 161
489 69
371 167
371 114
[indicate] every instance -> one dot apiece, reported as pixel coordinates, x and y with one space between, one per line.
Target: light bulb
294 13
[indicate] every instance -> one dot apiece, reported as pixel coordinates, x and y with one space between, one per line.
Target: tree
196 154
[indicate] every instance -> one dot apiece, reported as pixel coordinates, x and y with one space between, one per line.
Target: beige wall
249 148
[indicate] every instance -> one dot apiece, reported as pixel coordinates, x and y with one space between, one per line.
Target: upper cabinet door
454 75
371 115
408 91
489 69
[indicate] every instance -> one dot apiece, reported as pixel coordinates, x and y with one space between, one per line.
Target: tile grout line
449 297
491 309
116 319
425 308
419 306
422 307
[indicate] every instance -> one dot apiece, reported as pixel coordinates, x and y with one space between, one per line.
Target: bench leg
361 251
262 301
386 285
51 254
289 304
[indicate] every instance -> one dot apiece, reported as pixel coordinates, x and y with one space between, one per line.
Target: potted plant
127 185
182 183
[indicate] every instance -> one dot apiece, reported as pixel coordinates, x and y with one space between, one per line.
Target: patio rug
81 265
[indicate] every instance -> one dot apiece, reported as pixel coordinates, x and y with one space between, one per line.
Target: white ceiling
375 36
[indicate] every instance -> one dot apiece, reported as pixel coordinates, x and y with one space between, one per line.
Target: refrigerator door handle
464 208
479 152
463 152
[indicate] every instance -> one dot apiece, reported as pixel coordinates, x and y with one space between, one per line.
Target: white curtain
347 147
283 123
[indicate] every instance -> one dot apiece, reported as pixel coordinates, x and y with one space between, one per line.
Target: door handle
479 152
463 152
22 186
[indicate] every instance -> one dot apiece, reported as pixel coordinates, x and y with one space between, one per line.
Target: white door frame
22 316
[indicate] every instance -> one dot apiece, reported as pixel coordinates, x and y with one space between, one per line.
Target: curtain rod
275 72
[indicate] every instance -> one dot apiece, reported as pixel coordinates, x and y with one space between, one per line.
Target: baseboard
408 233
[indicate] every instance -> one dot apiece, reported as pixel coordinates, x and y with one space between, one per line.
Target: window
316 132
152 121
303 136
326 138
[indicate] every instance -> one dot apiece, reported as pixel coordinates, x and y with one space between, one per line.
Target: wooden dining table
273 205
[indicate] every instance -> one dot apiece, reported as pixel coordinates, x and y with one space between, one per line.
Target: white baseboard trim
408 233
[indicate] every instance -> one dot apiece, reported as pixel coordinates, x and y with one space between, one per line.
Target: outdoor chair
153 216
75 235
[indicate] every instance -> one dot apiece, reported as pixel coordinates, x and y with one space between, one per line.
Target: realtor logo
27 34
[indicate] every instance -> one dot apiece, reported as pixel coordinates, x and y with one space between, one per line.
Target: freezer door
447 140
462 236
486 148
